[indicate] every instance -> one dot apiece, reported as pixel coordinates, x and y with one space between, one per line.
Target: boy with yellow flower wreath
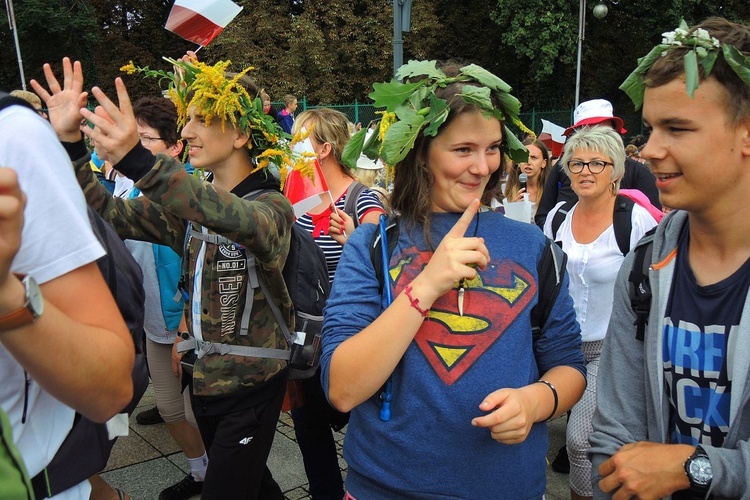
236 398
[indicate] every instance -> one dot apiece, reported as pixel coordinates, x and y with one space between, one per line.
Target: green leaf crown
412 106
703 49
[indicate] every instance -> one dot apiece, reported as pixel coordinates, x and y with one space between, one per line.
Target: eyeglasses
146 140
595 166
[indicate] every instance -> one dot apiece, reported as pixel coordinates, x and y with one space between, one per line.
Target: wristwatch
699 471
30 311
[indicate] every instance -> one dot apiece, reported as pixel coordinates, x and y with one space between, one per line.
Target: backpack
14 480
352 197
639 286
306 277
622 218
550 269
86 449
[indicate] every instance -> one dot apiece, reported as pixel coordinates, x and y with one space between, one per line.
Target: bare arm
514 411
79 349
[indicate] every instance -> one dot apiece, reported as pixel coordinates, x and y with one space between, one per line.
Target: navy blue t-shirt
699 323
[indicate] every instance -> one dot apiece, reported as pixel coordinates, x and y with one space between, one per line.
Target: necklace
461 288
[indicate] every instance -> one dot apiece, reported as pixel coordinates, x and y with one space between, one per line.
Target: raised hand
456 257
115 128
64 103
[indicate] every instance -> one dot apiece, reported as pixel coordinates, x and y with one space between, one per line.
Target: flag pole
12 23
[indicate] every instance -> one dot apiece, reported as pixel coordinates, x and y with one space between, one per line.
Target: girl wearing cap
466 398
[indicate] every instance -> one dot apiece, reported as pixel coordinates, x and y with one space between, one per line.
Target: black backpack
306 277
639 286
86 449
621 221
550 268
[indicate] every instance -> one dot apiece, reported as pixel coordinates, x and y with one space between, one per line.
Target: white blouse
593 267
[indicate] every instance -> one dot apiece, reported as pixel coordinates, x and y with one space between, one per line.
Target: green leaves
738 62
485 78
419 68
691 72
437 115
352 149
633 85
400 137
515 148
392 94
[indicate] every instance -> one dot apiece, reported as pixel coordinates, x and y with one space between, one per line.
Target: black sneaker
561 463
149 417
183 490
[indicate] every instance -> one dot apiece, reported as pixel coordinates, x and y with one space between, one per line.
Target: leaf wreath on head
413 107
701 50
214 96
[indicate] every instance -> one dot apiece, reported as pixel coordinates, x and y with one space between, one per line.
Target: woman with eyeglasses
594 159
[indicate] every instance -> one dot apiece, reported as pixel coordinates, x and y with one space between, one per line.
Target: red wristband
415 302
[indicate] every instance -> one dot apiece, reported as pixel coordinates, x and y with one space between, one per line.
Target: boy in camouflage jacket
236 399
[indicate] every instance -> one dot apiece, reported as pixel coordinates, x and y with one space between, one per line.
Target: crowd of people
446 345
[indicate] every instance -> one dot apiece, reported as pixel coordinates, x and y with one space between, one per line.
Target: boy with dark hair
673 408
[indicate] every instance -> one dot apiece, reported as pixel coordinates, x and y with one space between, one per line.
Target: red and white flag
304 192
553 137
200 21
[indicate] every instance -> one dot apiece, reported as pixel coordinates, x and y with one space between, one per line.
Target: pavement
148 460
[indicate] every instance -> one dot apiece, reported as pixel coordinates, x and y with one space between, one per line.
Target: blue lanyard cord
387 395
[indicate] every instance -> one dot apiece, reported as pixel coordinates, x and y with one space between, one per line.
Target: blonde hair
326 125
29 97
602 140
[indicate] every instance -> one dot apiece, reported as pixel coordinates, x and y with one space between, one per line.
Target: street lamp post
600 11
13 28
581 36
401 23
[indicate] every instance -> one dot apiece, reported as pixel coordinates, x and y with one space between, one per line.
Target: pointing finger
459 228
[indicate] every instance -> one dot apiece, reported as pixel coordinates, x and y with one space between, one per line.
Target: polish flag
553 137
200 21
304 192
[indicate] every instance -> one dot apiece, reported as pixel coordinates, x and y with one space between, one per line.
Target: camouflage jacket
170 198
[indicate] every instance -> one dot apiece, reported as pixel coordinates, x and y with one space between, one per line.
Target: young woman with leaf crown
236 397
455 344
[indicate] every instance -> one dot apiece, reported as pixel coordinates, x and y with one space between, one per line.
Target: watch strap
18 317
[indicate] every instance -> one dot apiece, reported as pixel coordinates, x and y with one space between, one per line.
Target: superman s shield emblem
493 300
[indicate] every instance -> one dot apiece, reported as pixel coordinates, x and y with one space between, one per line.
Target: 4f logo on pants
246 440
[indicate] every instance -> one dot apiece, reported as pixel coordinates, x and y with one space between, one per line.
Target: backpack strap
560 215
255 280
551 271
352 197
376 257
639 285
622 222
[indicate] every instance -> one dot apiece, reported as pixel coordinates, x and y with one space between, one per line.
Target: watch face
36 302
700 470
